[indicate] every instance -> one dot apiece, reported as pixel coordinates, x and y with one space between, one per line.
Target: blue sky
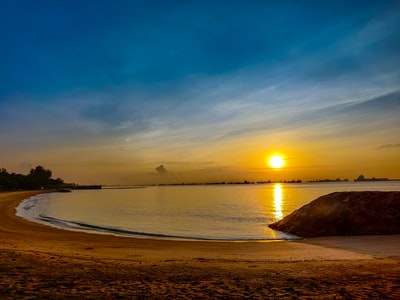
124 86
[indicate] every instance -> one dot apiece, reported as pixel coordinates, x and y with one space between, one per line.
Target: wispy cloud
388 146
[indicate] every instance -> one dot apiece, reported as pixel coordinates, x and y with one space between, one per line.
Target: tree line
37 178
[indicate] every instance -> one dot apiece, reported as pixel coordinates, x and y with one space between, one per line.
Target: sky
143 92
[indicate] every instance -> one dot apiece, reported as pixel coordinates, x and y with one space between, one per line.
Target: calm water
212 212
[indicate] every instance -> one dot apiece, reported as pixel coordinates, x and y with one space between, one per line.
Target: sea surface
197 212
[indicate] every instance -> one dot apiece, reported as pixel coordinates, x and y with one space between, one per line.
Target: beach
38 261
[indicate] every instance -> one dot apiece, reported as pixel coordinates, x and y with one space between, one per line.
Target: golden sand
38 261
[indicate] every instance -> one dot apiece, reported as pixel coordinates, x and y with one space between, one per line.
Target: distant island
362 178
328 180
230 182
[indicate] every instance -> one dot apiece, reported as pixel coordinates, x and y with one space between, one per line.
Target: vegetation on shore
37 178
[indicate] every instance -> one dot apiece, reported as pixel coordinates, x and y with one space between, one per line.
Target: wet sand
38 262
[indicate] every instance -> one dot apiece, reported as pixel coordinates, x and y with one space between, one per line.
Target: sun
276 162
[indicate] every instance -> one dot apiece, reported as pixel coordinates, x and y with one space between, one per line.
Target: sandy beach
39 262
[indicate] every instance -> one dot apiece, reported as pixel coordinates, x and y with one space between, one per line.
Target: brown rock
345 213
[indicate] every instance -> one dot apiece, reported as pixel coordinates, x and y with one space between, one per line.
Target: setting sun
276 162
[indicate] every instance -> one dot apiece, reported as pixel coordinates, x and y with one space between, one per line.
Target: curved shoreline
172 218
79 226
127 266
16 229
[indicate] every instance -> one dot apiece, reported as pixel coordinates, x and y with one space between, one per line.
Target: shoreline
103 230
59 251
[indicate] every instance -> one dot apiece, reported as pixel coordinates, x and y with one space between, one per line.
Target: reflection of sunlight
278 201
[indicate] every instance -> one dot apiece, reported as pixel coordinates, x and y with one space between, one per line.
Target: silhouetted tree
38 178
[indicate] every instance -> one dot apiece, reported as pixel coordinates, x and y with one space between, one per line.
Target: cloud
388 146
161 169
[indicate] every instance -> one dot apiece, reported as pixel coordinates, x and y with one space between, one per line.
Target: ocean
195 212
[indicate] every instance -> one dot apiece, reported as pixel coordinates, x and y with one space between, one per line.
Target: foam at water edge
26 209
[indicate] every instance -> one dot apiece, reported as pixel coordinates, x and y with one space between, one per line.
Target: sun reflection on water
278 196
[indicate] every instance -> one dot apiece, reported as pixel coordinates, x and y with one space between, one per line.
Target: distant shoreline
245 182
298 181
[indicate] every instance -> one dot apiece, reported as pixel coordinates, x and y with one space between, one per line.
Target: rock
345 213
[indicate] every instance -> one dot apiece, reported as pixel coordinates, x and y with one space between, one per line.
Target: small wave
76 225
25 208
29 204
85 226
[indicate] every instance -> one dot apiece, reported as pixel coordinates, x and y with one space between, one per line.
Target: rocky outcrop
345 213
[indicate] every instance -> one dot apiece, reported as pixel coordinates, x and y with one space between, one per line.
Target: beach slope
38 261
